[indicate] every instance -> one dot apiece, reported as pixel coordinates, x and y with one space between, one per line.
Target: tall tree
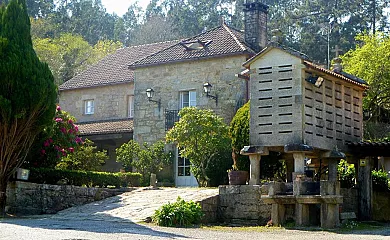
371 63
27 92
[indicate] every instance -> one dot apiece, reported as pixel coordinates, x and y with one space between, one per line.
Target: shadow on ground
109 227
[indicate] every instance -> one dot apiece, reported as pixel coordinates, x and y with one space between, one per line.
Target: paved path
133 206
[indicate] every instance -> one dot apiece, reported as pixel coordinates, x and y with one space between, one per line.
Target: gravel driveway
56 229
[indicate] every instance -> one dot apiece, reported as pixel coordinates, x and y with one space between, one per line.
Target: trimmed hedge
84 178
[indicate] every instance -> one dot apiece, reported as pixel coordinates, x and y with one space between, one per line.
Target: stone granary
305 112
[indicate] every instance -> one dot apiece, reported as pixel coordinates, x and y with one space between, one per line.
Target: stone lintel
334 154
296 148
254 150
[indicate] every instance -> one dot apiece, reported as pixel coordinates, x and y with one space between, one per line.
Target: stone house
109 99
102 99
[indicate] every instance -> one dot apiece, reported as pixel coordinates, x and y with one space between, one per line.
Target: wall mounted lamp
150 95
207 89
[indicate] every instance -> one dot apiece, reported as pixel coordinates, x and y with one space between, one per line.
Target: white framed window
187 99
130 106
183 167
89 106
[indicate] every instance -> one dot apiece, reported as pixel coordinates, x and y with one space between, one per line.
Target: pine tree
27 92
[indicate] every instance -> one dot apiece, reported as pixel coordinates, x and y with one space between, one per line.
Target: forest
72 34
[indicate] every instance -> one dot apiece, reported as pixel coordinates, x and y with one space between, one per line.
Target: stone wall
210 209
111 102
350 200
26 198
168 80
242 204
381 208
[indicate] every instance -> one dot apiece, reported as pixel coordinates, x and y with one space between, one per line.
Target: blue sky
120 6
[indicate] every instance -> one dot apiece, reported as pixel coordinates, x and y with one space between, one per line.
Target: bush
85 157
380 181
84 178
178 214
346 174
239 133
146 159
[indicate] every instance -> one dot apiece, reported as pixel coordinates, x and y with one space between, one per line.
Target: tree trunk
3 196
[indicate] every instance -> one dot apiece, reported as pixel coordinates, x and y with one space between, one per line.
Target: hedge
84 178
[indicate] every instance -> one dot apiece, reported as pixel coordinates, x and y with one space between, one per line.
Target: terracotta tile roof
113 69
341 75
224 41
106 127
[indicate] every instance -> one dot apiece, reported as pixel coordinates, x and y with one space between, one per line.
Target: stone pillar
254 169
330 215
278 214
290 167
302 214
153 180
332 166
299 164
365 189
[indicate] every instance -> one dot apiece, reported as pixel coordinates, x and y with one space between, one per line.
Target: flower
46 143
70 121
58 119
58 108
63 130
71 149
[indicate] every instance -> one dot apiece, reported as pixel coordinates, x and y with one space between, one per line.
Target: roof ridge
185 39
148 44
227 28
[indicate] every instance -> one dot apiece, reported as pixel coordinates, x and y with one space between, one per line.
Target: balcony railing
171 116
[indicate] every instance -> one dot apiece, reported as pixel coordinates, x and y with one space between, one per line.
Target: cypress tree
27 92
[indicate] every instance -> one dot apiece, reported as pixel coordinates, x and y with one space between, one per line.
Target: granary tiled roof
106 127
341 75
221 41
113 69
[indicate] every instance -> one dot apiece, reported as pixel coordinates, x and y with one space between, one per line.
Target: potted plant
236 176
239 133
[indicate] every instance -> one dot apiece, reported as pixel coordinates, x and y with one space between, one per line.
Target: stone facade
168 80
110 102
26 198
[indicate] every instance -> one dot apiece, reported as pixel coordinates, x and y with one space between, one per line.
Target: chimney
256 24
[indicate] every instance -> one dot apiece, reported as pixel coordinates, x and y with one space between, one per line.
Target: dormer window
195 45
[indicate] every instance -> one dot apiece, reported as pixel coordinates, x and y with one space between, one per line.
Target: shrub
239 133
147 159
346 174
84 178
380 181
85 157
178 214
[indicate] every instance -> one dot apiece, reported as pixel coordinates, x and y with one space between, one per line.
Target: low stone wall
350 200
210 209
381 208
242 204
26 198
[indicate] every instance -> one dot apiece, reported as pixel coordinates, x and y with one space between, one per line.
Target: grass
242 228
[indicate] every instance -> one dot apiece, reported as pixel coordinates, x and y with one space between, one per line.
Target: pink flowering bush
57 141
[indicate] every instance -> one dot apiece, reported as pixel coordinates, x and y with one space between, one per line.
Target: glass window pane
131 107
180 171
187 171
180 161
184 98
188 163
